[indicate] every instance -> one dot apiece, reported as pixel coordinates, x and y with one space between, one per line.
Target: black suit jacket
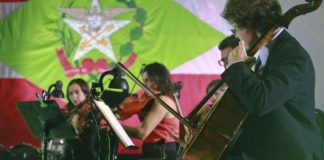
281 122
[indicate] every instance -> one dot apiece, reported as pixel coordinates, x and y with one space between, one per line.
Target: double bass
223 123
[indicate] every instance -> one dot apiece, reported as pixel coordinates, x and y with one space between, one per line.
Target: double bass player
279 95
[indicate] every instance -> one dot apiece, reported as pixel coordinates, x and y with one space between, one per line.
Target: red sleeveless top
167 129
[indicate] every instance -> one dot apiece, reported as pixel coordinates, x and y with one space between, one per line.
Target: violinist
158 127
86 147
279 95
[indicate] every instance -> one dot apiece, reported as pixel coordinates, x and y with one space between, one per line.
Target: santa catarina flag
44 41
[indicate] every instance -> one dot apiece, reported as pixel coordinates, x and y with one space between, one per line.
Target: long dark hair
159 74
84 87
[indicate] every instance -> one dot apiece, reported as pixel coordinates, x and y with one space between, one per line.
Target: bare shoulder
169 101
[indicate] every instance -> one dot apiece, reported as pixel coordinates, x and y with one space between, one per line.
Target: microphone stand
43 99
45 139
112 142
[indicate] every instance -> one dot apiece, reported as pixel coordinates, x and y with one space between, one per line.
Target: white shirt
263 52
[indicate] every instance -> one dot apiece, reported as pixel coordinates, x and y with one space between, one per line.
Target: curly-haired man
280 99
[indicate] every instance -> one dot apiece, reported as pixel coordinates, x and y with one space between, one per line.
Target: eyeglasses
223 61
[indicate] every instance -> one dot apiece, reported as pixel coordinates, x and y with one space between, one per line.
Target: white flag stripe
6 8
209 12
206 63
6 72
203 64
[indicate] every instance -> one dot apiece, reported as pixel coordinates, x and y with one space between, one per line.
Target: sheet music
114 124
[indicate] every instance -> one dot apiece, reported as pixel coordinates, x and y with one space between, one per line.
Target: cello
224 122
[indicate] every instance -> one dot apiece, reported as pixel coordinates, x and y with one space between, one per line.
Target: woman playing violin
158 127
87 144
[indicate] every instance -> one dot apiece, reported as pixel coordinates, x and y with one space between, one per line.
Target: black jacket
281 123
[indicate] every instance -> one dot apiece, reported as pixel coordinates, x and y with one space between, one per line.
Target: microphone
58 85
57 92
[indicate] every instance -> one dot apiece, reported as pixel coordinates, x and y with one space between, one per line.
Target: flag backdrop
37 48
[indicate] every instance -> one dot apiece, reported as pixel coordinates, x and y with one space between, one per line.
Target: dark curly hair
158 73
254 15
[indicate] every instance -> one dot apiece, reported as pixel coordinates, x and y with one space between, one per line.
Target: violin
79 116
132 105
83 109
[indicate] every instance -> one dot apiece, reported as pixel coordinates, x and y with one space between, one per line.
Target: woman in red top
158 128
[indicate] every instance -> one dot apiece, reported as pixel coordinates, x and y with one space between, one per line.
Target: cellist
279 95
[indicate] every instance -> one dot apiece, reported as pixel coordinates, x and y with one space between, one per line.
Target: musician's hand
238 54
114 109
187 137
84 110
75 123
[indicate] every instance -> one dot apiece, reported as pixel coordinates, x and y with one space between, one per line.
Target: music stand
45 121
